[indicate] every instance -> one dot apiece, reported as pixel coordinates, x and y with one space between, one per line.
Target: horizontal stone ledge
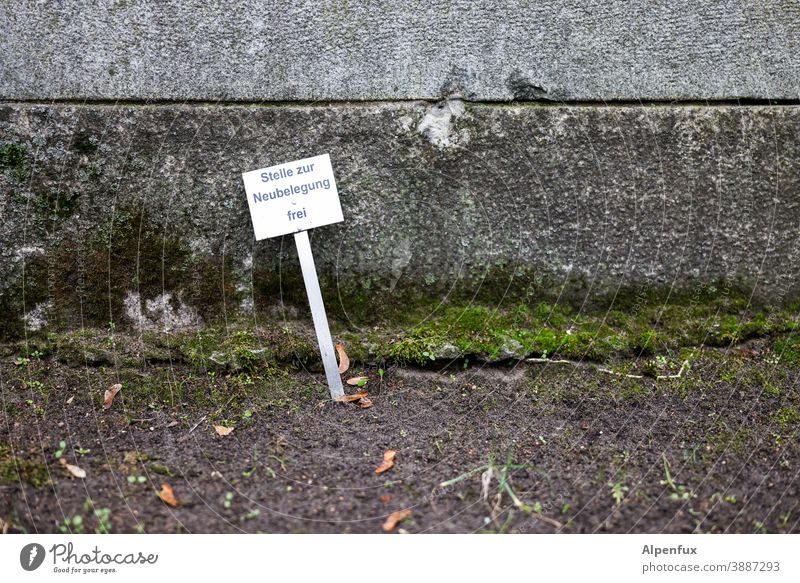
561 50
138 214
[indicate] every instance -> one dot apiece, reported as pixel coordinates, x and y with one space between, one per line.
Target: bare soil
582 450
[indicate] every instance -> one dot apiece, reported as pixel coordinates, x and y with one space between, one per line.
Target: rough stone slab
585 200
330 50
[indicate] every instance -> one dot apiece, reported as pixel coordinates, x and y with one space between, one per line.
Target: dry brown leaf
167 495
108 398
385 498
394 518
388 461
365 402
222 431
355 381
74 470
384 467
350 398
344 361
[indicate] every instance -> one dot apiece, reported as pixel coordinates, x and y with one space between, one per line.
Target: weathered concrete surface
138 213
356 50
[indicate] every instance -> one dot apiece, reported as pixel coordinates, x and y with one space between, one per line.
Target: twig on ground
684 366
551 361
196 425
620 374
548 520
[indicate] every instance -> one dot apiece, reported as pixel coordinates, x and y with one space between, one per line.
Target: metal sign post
318 314
292 198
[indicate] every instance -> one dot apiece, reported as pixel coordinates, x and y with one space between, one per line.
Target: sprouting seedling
502 474
618 491
62 445
679 491
381 372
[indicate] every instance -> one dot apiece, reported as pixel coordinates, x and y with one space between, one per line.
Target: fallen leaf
365 402
74 470
350 398
167 495
344 361
385 498
394 518
357 381
108 399
69 401
388 462
222 431
384 467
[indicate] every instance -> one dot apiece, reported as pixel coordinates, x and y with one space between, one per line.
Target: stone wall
570 50
125 129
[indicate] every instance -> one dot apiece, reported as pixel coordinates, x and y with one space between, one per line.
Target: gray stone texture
561 50
580 198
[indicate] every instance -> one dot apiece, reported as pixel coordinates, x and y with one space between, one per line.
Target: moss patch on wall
14 161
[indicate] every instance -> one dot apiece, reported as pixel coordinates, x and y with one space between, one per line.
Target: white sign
292 197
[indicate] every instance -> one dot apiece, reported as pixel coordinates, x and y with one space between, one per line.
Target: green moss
88 346
786 416
544 329
14 160
58 203
16 470
788 349
724 439
248 350
161 469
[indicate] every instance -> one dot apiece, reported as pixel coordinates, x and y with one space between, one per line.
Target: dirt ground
528 447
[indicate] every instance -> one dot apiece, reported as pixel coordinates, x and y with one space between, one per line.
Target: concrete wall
570 50
135 211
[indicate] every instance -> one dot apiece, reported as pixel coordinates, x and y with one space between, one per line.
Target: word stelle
292 198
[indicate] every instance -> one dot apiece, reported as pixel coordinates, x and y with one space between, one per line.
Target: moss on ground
465 333
547 330
15 469
786 417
